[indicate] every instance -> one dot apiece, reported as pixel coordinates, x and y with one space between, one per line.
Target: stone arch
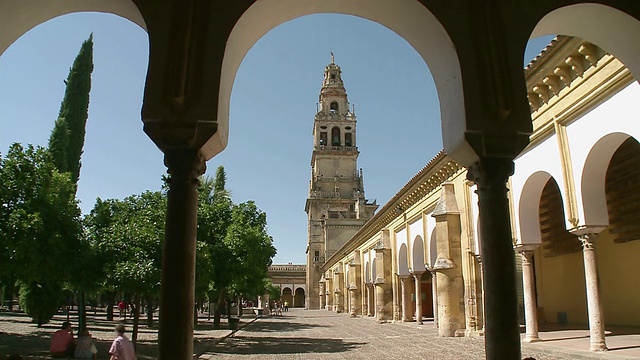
286 295
25 15
433 248
528 208
592 183
403 260
408 18
367 272
298 297
417 255
374 273
599 24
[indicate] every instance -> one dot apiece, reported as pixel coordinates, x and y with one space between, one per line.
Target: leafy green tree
40 300
67 137
131 245
213 259
66 143
252 250
40 224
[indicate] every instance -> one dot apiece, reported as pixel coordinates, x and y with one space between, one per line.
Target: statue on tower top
332 58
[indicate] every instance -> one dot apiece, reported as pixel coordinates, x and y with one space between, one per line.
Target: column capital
593 230
526 255
489 171
184 164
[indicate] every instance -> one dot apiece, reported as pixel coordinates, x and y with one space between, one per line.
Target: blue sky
272 108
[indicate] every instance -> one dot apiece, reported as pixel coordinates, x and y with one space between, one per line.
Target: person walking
122 348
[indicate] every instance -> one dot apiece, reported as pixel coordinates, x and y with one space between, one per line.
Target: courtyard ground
316 334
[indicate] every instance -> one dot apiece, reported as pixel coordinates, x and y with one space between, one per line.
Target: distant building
336 206
291 280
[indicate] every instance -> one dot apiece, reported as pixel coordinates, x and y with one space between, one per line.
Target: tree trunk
136 319
150 308
218 309
110 298
239 300
82 310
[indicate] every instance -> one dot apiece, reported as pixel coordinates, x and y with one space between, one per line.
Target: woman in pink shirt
62 344
122 348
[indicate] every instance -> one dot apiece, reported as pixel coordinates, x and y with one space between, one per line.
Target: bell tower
336 207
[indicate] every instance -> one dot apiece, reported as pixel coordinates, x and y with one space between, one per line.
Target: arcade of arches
423 249
291 281
474 51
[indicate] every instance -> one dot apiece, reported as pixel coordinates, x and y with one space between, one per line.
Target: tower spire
332 61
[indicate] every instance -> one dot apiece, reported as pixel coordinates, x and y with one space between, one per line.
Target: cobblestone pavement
320 334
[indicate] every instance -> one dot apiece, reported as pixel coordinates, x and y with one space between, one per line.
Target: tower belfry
336 207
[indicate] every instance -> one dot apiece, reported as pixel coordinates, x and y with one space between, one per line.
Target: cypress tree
67 137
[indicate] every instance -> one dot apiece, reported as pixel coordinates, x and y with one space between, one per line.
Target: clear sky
272 108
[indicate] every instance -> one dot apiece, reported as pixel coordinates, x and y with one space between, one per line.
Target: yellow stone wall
619 271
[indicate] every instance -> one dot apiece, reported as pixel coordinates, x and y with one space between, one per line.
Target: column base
598 347
528 339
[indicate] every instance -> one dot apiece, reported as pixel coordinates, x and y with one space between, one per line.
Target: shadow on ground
280 325
276 345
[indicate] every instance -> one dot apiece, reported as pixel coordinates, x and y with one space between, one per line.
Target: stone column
448 264
530 304
322 291
371 303
594 305
418 277
179 253
434 295
502 332
354 302
355 280
384 297
329 295
338 283
406 297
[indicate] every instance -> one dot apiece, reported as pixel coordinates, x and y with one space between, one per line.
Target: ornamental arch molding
592 183
607 27
529 208
408 18
403 261
417 254
24 15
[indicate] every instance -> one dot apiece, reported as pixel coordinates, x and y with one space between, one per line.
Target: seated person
62 344
85 347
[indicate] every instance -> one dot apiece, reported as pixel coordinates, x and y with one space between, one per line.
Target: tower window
323 138
333 76
334 106
347 139
335 136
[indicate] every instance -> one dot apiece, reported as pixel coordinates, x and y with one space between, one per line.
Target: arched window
335 136
347 139
334 107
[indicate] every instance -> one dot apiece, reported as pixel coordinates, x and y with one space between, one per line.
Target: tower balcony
336 148
342 179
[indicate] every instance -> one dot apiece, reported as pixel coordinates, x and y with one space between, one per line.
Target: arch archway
24 15
403 261
594 204
417 254
408 18
287 295
298 298
607 31
529 208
